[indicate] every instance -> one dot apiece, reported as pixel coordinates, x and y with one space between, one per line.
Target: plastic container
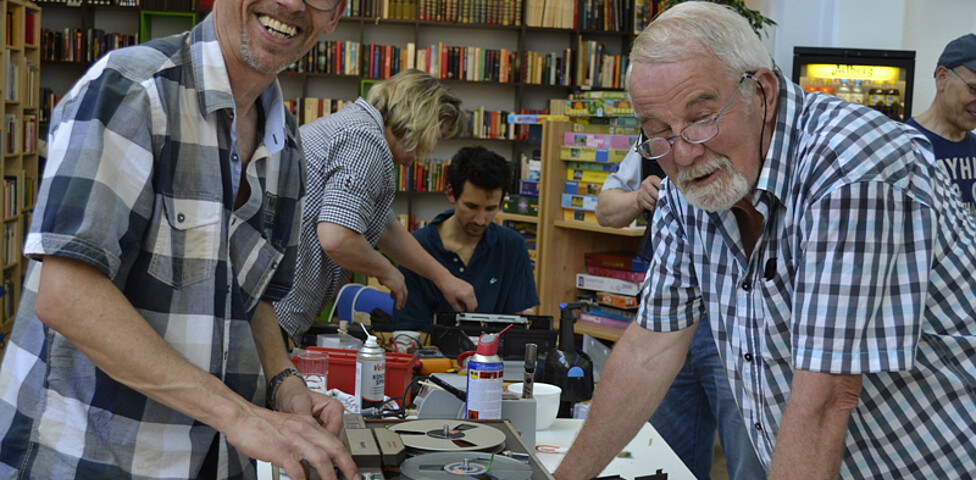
342 370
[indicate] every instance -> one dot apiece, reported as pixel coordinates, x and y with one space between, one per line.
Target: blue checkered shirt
864 265
141 181
350 183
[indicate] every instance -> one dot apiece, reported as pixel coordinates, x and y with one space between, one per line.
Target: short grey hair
691 29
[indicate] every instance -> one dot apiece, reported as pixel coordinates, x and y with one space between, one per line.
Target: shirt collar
779 163
213 84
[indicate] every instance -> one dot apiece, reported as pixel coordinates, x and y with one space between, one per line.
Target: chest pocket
186 246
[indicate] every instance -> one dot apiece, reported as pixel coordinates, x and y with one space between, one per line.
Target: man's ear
941 78
450 194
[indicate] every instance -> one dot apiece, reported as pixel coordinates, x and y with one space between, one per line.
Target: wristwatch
276 382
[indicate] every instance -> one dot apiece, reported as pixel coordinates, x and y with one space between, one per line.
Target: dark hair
483 168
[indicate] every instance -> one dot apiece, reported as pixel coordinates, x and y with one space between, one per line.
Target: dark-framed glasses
324 6
972 88
695 133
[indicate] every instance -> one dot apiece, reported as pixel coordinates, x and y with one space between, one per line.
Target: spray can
484 391
370 375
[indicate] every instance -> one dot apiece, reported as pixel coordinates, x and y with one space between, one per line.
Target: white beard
719 194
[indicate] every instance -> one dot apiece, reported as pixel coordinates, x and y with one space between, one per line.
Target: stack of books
616 278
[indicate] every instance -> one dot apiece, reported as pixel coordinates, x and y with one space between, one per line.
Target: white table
648 453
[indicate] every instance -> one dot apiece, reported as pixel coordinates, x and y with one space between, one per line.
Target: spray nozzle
488 342
370 339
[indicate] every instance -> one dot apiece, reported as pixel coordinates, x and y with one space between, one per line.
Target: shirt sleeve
354 183
862 280
95 198
670 295
628 175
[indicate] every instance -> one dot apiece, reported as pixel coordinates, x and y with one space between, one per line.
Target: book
627 261
586 281
593 154
584 216
578 202
591 176
601 320
582 188
618 301
616 273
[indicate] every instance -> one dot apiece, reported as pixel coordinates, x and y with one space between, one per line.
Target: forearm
617 208
351 251
811 439
271 347
103 325
404 249
635 378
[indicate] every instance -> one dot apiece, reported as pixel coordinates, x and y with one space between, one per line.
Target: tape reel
462 466
448 435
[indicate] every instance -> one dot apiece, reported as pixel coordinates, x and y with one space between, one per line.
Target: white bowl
546 402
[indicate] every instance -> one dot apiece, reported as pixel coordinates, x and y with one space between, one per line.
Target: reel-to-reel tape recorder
441 449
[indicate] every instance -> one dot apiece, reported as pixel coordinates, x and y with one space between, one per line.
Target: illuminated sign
864 72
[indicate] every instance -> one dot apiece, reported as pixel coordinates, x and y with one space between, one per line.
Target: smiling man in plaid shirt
167 222
826 246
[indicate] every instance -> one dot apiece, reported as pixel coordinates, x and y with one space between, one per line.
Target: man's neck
455 239
933 121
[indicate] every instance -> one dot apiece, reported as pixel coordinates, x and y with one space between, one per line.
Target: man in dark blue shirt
949 122
465 239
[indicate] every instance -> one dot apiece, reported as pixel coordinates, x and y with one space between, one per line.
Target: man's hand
288 439
294 397
458 293
393 280
647 194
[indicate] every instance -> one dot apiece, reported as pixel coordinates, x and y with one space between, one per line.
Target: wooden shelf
622 232
602 332
514 217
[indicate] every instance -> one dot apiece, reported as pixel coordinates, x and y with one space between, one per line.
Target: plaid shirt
864 265
350 172
141 183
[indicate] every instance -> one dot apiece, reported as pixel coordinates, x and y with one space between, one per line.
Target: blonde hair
692 29
415 106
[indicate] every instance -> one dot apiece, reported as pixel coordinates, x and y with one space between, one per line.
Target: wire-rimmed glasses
694 133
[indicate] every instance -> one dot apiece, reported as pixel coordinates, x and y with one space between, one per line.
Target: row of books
307 109
392 9
7 298
19 137
597 68
411 222
529 232
599 15
10 203
12 86
423 176
11 243
490 12
82 45
94 3
48 100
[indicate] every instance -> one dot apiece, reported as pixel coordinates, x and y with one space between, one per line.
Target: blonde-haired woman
348 211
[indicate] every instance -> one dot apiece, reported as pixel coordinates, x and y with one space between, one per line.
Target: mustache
687 175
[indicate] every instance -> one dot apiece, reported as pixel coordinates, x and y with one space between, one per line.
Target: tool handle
531 355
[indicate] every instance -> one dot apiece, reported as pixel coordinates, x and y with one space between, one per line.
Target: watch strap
276 382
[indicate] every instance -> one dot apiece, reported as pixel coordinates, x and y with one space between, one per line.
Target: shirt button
758 426
274 265
180 217
461 269
234 157
748 357
746 286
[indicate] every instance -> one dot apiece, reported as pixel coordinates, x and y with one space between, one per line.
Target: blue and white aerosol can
370 376
485 369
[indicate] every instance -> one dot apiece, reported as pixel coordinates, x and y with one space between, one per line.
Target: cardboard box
529 188
579 202
521 205
582 188
593 154
580 216
619 301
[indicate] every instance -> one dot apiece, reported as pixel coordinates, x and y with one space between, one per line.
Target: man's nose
684 153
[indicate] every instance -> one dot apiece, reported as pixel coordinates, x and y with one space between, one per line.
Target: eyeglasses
324 6
972 88
695 133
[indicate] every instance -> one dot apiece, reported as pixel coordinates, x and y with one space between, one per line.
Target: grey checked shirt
864 266
350 183
140 182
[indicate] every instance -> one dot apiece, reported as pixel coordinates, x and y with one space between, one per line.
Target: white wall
924 26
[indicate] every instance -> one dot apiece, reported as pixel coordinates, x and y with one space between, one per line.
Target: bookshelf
19 166
563 243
